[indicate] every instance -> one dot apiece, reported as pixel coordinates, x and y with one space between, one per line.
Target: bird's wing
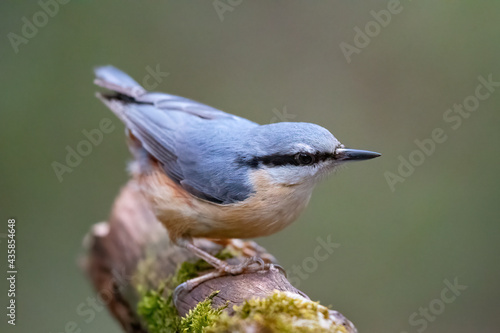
192 141
112 78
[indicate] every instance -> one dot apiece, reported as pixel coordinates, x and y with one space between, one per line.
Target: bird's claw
252 264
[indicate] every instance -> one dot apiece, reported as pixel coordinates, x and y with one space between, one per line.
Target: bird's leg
247 248
250 264
212 260
195 282
222 266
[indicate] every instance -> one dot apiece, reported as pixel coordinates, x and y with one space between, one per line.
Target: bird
211 174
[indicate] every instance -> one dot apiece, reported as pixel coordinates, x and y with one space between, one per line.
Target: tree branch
134 268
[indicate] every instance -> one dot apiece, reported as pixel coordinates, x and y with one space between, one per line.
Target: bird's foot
252 264
222 268
246 248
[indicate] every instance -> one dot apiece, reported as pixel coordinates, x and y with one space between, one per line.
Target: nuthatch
207 173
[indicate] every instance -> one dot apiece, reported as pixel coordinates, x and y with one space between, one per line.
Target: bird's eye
304 158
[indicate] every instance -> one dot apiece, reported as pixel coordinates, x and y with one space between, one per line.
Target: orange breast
271 208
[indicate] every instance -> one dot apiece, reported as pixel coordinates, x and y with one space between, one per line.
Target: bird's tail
112 78
124 90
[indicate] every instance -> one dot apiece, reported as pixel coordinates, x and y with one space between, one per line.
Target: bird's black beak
343 154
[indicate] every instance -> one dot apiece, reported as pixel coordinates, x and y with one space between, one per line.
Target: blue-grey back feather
192 141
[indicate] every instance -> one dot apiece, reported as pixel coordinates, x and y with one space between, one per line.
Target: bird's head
298 153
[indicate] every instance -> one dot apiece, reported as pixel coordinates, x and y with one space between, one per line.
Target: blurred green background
268 61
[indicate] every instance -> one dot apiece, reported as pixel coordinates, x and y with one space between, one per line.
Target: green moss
202 316
280 312
189 270
157 309
156 306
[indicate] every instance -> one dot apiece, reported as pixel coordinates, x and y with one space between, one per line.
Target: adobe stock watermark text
453 119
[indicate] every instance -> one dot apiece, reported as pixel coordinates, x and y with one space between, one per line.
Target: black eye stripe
280 160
